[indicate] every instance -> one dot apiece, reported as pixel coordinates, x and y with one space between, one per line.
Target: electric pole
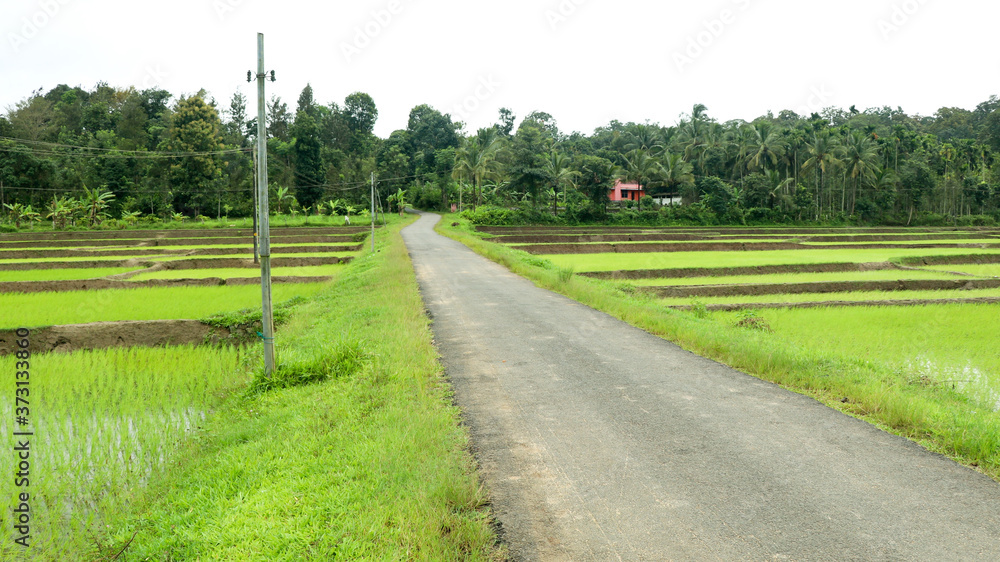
373 212
263 223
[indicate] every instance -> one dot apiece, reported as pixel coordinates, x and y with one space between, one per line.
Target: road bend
599 441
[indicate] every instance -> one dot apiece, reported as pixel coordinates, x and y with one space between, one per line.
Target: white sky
602 60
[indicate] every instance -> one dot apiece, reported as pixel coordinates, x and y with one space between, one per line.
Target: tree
309 174
861 161
95 202
597 178
527 160
766 146
640 168
823 152
195 178
476 161
560 175
675 175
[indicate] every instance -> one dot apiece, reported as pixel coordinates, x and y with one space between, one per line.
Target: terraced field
763 268
922 302
74 278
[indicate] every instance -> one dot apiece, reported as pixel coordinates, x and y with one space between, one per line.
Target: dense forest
123 156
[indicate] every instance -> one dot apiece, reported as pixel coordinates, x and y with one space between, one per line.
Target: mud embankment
99 335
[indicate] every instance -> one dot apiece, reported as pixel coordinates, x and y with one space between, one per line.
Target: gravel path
599 441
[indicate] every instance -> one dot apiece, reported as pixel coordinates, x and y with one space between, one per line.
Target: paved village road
599 441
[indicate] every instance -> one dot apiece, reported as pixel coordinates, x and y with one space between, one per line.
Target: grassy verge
940 418
367 462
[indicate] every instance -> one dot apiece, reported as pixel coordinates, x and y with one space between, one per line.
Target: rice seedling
667 260
951 345
144 303
877 275
227 273
104 423
62 274
978 270
860 296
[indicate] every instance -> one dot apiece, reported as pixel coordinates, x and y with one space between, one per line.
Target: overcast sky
586 62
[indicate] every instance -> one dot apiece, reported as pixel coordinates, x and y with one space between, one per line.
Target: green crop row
671 260
145 303
876 275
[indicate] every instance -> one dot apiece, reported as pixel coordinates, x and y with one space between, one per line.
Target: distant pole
263 222
373 212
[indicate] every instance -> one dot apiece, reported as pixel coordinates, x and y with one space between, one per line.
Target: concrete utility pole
373 212
263 222
256 204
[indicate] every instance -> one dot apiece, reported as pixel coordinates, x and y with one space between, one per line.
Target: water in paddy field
81 464
968 379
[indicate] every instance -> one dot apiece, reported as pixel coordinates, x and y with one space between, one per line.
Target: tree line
72 155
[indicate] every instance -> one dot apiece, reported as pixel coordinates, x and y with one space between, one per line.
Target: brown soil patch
207 263
826 287
99 335
179 233
838 304
101 284
732 271
160 242
46 254
954 260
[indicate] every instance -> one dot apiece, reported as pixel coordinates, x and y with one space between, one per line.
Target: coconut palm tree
640 168
824 154
766 146
861 160
675 174
559 174
476 161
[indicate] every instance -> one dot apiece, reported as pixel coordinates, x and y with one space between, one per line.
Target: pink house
627 192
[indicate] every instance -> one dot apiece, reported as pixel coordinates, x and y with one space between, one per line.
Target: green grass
877 275
227 273
152 303
939 417
104 421
62 274
671 260
979 270
952 345
857 296
369 464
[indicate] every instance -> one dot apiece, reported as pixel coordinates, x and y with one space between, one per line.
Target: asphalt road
598 441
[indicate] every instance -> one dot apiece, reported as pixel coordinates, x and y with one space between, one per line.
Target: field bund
73 287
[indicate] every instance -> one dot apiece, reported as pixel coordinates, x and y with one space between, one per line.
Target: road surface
598 441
